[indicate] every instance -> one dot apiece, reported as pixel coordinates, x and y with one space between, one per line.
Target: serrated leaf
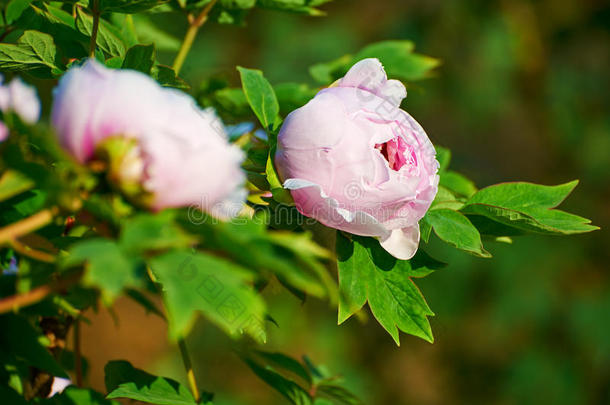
399 60
20 339
33 50
166 77
140 57
326 73
455 229
287 363
528 207
397 57
522 195
217 288
107 267
248 243
260 96
146 232
422 264
369 273
292 391
106 39
337 394
144 301
125 381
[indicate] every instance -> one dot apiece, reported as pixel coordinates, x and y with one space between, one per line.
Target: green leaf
247 242
287 363
147 232
443 155
397 57
369 273
337 394
107 40
14 9
232 100
124 381
129 6
445 199
13 183
457 183
292 391
425 229
522 195
107 267
260 96
291 96
141 58
528 207
326 73
280 194
33 50
78 396
145 302
218 288
399 60
423 264
20 339
295 6
455 229
166 77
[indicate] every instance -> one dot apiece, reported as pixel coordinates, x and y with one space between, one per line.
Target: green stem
191 34
188 366
94 30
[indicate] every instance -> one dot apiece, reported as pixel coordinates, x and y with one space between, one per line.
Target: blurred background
523 93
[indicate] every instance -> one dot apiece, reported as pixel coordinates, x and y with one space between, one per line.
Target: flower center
397 153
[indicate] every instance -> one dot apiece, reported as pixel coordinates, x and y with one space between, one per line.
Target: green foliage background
522 94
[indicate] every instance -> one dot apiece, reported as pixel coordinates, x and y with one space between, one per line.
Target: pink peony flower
20 98
355 161
180 153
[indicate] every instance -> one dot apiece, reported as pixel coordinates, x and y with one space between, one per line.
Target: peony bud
156 138
355 161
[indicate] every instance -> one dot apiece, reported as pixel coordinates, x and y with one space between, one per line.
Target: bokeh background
523 93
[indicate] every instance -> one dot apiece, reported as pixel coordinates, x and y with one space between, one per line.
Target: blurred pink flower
20 98
4 131
180 155
355 161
